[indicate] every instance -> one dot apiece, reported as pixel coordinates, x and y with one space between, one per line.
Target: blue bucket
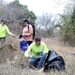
23 45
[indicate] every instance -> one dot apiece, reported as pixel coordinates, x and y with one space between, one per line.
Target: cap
3 20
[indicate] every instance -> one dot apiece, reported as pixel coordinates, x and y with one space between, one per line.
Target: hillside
12 60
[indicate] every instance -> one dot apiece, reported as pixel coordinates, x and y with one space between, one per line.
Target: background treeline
47 25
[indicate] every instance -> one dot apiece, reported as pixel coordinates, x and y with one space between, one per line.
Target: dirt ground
14 62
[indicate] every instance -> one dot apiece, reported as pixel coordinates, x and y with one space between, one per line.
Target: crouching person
38 50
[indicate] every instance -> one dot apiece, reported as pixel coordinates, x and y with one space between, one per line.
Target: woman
27 32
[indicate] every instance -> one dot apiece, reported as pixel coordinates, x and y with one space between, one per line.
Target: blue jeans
38 62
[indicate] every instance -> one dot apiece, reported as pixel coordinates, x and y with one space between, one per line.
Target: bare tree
48 21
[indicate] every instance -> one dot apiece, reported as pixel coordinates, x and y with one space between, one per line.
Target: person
38 50
3 30
27 32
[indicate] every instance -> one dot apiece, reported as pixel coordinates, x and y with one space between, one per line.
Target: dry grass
11 50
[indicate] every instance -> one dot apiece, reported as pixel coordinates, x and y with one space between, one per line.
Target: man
38 51
3 30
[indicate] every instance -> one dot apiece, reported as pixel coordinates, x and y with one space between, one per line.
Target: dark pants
2 40
29 42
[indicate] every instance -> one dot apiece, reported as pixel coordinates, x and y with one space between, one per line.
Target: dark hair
25 20
3 20
37 38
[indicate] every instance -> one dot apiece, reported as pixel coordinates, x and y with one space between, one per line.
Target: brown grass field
12 58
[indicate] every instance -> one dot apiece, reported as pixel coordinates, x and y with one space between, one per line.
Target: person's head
37 40
3 21
25 22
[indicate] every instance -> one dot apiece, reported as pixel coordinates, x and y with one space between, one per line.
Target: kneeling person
38 51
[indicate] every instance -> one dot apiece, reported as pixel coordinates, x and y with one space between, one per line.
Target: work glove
39 52
30 56
20 36
24 36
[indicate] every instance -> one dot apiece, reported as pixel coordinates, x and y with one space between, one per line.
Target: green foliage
68 28
17 1
31 17
22 12
57 25
15 11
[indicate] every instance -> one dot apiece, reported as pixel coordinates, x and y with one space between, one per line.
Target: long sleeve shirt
27 31
34 49
3 30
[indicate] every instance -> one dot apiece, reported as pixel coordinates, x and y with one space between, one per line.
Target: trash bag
54 61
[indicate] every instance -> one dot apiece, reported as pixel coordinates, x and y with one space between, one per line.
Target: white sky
42 6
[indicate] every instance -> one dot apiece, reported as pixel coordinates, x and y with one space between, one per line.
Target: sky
43 6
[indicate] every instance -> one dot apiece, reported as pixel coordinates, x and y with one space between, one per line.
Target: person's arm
45 48
26 54
8 31
30 30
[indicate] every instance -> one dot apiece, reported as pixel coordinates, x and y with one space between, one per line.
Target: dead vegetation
12 60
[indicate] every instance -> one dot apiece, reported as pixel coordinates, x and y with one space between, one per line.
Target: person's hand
24 36
14 35
20 36
30 56
39 52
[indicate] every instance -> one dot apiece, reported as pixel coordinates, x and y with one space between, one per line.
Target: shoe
31 66
39 67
